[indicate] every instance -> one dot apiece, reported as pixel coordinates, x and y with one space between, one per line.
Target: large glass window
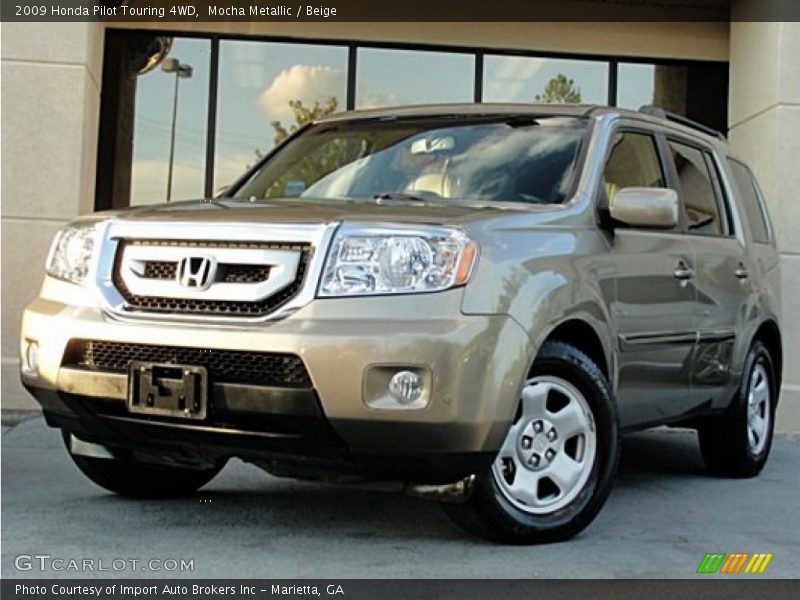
544 80
635 85
515 160
395 77
266 90
164 99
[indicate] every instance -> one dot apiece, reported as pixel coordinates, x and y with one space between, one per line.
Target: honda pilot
474 300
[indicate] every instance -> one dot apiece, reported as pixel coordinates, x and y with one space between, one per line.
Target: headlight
368 261
72 250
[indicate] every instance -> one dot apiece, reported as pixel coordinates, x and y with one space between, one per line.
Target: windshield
518 159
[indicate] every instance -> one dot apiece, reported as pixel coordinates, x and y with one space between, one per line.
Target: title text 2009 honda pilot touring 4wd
475 300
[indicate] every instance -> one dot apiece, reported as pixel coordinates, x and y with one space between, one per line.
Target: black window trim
723 198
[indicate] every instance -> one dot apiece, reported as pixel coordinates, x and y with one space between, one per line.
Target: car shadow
285 507
660 453
243 498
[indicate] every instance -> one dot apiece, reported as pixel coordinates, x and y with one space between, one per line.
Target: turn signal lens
465 262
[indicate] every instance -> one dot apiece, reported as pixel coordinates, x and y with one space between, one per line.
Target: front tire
127 477
737 443
555 469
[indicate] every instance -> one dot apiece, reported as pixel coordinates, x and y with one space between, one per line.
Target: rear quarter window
750 200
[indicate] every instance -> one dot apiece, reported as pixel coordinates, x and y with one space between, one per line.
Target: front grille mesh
223 366
229 273
244 273
232 273
160 269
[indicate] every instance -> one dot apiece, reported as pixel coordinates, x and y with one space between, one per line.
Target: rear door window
697 189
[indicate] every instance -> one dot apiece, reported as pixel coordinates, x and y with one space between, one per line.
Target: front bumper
475 365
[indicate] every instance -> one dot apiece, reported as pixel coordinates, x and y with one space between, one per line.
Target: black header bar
398 10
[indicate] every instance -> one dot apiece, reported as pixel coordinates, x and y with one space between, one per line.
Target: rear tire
127 477
564 448
737 443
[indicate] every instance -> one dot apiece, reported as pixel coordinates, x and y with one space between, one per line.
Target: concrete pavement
663 516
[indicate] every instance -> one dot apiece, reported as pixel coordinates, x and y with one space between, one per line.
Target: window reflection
665 86
433 159
265 90
635 85
546 80
152 137
396 77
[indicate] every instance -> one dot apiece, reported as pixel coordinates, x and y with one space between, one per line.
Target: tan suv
476 300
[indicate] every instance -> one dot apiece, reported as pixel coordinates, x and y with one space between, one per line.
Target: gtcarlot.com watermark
49 563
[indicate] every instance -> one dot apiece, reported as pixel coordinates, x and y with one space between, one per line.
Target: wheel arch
769 334
578 332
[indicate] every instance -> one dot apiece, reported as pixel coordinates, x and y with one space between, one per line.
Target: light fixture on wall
147 52
182 71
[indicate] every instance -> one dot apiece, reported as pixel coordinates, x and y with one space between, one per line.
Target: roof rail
656 111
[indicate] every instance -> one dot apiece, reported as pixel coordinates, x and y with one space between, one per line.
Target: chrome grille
270 276
230 273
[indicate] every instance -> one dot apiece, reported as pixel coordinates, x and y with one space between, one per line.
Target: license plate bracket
168 390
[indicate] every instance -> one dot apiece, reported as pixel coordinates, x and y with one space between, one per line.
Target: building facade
88 124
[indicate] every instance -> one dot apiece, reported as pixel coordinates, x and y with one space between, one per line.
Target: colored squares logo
734 563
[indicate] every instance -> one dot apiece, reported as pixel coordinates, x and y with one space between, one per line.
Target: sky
258 79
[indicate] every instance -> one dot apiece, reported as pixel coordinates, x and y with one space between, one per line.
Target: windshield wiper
398 196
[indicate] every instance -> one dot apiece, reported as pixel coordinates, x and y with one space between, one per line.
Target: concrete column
50 107
765 131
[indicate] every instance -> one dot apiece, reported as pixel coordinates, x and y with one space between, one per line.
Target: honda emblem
197 272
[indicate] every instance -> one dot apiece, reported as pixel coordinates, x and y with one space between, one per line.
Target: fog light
30 358
405 387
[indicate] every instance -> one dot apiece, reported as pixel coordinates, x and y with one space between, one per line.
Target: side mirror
645 207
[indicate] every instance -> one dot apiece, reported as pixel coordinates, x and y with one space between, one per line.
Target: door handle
682 272
741 272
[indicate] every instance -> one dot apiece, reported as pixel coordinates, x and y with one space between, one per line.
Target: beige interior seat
435 183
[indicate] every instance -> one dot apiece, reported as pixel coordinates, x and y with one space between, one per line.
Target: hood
297 210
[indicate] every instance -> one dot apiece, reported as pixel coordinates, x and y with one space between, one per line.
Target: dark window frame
723 199
353 45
